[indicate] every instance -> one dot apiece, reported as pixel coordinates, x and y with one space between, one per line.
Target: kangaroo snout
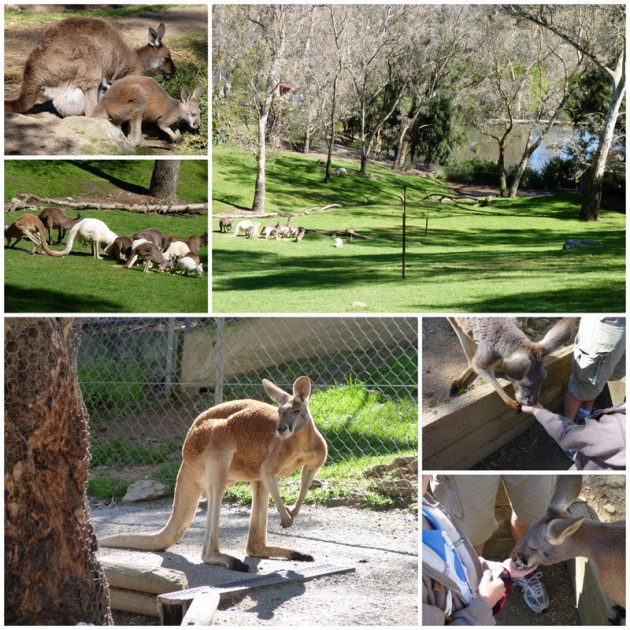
284 431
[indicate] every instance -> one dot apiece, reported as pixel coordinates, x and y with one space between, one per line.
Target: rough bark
52 576
164 180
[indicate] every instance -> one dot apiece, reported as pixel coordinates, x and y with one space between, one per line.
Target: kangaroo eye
295 412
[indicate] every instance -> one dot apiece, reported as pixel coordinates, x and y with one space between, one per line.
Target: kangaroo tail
29 92
185 503
71 236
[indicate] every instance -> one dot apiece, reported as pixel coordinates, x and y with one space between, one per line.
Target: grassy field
80 283
504 258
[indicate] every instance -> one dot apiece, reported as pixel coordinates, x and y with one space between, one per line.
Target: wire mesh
144 380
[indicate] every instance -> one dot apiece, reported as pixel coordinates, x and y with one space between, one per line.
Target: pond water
486 148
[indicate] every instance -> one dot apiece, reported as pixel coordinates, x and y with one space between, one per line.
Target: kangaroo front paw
455 388
301 557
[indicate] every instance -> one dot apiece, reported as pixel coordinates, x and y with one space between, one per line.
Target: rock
575 242
145 490
610 508
47 134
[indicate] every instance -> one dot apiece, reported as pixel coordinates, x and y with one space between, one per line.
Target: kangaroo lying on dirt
489 342
30 227
559 536
92 231
54 218
75 57
242 440
136 99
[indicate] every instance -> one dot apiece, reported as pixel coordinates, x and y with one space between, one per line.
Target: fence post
218 368
170 352
404 234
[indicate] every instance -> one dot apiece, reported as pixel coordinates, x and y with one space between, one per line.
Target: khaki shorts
599 355
471 500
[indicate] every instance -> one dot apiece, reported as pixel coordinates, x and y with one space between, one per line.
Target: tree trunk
403 144
502 172
258 204
164 180
52 576
593 197
333 124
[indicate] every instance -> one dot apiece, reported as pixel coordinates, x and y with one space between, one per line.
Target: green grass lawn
505 258
80 283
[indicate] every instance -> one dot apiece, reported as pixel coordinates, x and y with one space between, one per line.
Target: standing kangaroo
76 57
559 536
242 440
92 231
489 342
54 218
137 99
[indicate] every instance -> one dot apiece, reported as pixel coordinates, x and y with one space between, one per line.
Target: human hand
514 571
532 409
491 589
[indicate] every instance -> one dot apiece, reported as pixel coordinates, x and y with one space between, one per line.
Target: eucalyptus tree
598 32
519 84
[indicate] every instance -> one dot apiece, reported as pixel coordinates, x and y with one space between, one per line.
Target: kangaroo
188 266
120 249
244 225
242 440
491 341
75 57
299 234
270 231
55 218
92 231
136 99
176 250
196 242
151 255
559 536
30 227
225 224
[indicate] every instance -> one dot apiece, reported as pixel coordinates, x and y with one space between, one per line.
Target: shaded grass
79 283
504 258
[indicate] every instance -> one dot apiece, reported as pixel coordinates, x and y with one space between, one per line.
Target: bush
473 171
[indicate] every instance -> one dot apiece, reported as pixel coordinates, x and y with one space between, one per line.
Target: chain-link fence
144 381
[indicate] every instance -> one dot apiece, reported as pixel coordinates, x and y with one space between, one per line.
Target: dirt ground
443 359
380 547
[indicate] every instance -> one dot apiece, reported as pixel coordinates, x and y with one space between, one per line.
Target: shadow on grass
108 175
20 300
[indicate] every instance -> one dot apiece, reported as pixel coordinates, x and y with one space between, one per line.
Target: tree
598 33
52 576
164 180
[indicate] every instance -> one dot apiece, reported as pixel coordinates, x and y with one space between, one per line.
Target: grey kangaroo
76 57
559 536
489 342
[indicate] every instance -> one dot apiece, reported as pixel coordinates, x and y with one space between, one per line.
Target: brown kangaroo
196 242
55 218
30 227
77 57
242 440
136 99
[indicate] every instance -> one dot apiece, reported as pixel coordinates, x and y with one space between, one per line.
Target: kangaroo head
293 413
156 57
548 540
189 108
525 367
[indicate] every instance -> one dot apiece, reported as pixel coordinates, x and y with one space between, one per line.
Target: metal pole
218 368
170 353
404 234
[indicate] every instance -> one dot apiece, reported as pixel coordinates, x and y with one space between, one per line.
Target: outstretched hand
515 572
532 409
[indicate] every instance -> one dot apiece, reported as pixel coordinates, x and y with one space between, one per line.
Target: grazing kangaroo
176 250
559 536
153 235
120 249
225 224
150 255
244 226
187 266
136 99
75 57
30 227
242 440
92 231
492 341
55 218
196 242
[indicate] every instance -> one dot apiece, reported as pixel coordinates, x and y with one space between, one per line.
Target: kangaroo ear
155 37
275 393
560 334
302 388
184 94
516 365
559 529
198 91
